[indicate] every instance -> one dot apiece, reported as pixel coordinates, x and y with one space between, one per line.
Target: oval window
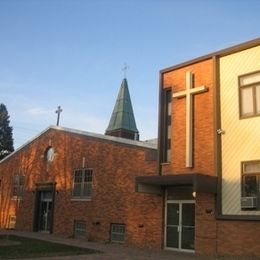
50 154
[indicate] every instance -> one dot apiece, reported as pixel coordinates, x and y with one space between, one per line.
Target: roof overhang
199 182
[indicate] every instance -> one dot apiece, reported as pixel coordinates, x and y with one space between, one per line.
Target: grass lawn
12 247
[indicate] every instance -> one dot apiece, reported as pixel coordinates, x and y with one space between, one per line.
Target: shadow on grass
12 247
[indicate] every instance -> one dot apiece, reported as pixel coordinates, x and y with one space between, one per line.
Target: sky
71 53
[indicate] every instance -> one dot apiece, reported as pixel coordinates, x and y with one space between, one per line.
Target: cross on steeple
58 111
189 93
125 68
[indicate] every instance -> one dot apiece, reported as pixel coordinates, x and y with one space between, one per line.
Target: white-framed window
117 233
18 186
79 228
82 183
249 94
250 185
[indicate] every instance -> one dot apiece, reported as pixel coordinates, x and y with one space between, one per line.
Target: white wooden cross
188 93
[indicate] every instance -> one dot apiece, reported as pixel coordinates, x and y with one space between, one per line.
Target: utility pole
58 111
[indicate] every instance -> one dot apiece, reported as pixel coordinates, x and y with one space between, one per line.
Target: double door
180 225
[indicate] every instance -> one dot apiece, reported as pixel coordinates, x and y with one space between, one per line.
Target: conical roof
123 115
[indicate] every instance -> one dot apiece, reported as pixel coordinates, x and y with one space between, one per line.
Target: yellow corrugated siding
241 141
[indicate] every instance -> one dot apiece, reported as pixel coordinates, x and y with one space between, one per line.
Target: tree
6 133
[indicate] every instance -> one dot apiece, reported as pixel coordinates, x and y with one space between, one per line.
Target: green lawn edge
31 247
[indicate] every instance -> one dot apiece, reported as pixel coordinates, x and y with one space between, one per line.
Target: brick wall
239 238
113 199
203 119
206 225
203 127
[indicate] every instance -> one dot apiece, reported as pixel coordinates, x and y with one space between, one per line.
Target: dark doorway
44 205
45 211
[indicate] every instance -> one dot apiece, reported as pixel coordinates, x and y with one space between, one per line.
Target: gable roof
123 141
123 115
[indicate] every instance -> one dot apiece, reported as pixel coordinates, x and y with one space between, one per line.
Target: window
49 154
18 186
249 95
167 126
79 229
82 184
117 233
250 185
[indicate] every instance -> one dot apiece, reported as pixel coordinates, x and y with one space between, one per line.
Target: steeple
122 122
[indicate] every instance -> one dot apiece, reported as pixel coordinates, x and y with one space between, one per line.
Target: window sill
16 198
165 163
80 199
254 210
248 116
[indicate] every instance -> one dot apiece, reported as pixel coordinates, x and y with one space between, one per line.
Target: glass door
172 228
45 211
180 225
187 226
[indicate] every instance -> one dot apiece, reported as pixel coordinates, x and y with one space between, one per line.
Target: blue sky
71 53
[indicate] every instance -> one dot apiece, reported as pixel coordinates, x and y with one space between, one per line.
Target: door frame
165 224
41 187
49 214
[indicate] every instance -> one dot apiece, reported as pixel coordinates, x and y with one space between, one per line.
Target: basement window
12 222
117 233
79 228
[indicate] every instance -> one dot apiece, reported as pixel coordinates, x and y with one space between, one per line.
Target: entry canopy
199 182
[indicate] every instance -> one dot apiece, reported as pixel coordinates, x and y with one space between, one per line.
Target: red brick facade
238 238
203 124
114 200
203 120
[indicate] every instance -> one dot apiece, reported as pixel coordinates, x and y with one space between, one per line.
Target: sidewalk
111 251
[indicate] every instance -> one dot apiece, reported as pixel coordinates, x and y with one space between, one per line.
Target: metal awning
199 182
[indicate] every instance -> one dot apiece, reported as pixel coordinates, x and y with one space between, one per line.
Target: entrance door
45 211
180 225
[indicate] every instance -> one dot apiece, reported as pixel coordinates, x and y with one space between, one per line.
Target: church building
200 194
209 153
81 184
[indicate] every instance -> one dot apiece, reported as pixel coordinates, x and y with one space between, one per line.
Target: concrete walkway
109 251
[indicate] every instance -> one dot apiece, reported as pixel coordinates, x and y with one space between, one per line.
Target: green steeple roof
123 115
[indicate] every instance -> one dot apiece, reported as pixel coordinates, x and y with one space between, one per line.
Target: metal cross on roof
125 68
58 111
